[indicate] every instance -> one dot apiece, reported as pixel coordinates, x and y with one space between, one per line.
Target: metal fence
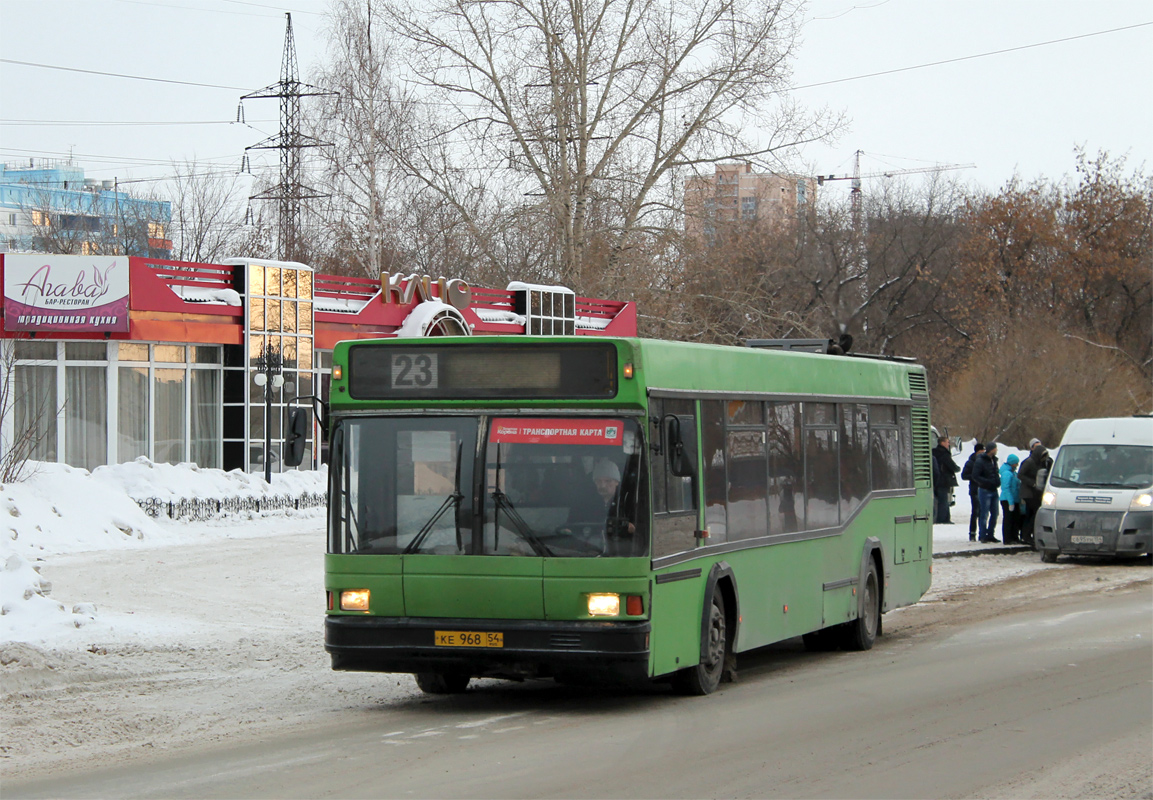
205 508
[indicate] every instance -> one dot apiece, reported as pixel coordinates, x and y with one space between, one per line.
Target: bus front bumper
530 648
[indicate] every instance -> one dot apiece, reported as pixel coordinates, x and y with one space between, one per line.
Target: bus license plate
469 638
1087 539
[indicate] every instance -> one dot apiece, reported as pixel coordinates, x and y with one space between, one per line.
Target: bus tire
442 682
705 677
861 633
1050 556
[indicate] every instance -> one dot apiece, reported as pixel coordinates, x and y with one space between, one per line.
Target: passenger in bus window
607 477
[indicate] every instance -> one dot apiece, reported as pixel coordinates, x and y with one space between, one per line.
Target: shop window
206 355
86 415
132 410
170 353
205 423
35 403
129 351
85 351
168 415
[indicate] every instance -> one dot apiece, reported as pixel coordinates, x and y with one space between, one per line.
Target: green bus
617 509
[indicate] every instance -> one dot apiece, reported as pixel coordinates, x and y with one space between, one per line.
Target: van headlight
1049 499
1142 501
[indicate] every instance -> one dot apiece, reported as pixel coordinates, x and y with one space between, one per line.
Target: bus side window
674 499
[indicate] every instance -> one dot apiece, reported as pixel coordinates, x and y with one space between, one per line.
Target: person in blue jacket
1011 516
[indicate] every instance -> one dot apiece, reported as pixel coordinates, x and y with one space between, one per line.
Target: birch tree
586 110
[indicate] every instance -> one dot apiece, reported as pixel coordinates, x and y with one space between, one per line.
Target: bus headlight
1141 501
1049 499
354 600
604 605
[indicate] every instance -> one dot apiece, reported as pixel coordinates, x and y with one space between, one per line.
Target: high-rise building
51 207
735 193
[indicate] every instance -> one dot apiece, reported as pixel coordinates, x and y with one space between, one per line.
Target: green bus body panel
784 589
381 575
676 618
474 587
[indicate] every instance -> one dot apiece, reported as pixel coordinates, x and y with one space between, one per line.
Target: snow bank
61 510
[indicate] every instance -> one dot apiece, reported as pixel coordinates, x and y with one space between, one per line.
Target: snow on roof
197 294
338 305
518 286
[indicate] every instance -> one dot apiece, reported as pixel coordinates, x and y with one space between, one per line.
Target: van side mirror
680 463
297 437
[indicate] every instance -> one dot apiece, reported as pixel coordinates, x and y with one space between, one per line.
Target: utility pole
291 142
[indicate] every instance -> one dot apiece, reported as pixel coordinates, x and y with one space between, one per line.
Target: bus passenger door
677 601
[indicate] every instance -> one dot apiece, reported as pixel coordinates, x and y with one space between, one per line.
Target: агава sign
76 294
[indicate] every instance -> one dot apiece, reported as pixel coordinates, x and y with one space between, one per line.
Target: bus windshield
550 487
1111 466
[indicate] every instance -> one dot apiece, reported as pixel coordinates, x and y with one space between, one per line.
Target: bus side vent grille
918 385
922 448
571 641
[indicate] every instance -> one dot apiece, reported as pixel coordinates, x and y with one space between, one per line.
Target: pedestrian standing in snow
944 479
1032 473
974 506
988 480
1010 502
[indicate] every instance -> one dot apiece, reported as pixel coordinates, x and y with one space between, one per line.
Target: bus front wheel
705 677
441 682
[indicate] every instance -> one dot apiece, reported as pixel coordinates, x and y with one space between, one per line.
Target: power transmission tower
291 142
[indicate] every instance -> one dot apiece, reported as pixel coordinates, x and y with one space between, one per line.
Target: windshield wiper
522 527
452 501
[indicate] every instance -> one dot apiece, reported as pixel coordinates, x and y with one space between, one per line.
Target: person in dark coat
944 479
1033 472
974 506
988 479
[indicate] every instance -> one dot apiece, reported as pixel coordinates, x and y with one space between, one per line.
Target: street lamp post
268 375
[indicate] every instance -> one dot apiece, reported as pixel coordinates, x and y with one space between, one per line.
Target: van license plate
1087 539
468 638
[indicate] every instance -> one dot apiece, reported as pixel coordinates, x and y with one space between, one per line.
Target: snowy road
205 675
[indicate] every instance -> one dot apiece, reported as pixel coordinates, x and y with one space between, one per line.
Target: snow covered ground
62 517
123 634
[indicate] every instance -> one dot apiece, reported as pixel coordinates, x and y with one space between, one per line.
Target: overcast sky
1019 112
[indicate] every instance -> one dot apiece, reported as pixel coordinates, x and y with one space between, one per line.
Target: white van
1099 496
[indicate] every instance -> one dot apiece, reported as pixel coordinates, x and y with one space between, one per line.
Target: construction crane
856 177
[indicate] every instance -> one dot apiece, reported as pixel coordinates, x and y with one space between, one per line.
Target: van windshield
1103 466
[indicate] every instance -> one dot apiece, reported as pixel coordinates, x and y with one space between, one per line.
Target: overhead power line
120 75
91 122
976 55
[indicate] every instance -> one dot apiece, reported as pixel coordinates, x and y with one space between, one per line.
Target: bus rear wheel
442 682
861 633
705 677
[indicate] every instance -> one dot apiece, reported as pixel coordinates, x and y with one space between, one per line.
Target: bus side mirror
680 464
297 438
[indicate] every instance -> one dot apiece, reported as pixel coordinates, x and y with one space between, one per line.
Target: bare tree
582 111
208 214
21 415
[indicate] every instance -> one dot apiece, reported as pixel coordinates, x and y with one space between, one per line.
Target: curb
986 551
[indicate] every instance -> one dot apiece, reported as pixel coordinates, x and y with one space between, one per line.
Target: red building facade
113 358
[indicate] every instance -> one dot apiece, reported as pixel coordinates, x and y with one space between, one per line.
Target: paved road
1047 702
